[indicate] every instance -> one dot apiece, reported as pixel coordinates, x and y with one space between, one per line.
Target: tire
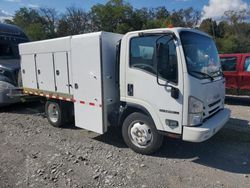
140 134
55 113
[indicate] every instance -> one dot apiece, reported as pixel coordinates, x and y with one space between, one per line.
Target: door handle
69 85
130 90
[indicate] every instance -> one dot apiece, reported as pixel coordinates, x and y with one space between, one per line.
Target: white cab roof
174 30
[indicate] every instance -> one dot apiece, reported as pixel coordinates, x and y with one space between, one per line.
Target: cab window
247 65
142 53
143 56
167 59
228 63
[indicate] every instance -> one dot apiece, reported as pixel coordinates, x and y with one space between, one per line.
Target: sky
209 8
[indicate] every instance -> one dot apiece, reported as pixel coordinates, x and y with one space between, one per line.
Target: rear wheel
54 112
140 134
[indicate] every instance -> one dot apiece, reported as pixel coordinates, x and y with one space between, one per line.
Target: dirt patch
35 154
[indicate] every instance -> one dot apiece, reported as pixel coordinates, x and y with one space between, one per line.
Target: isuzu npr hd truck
150 83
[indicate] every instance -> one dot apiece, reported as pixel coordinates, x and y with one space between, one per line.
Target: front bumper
208 129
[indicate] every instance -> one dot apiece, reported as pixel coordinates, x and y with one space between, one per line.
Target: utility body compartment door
87 82
45 71
28 69
61 63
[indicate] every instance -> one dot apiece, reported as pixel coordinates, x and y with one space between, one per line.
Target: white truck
150 83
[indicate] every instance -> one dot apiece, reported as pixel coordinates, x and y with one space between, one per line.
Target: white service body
80 68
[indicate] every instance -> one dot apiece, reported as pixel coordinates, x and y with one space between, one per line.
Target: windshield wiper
218 71
203 74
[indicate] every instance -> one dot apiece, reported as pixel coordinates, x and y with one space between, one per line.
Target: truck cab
236 68
174 76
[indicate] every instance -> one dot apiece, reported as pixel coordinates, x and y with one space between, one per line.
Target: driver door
150 77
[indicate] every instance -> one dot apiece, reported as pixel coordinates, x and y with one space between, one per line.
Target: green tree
35 31
190 17
231 35
38 24
161 13
176 19
74 21
50 18
31 22
139 19
184 18
222 29
114 16
209 26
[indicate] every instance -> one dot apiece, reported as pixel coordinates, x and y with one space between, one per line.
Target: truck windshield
201 55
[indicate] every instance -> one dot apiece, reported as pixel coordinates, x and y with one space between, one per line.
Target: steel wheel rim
140 134
53 113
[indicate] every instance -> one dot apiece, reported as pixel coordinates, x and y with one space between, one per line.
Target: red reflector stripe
82 102
92 104
63 98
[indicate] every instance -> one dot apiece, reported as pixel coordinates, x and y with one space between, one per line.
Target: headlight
195 111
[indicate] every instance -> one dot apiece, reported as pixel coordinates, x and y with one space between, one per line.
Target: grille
214 103
211 109
214 110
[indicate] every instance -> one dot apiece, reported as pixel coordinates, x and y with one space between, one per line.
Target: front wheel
140 134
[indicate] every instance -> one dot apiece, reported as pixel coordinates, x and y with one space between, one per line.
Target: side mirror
175 92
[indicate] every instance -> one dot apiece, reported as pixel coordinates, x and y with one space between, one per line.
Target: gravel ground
35 154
